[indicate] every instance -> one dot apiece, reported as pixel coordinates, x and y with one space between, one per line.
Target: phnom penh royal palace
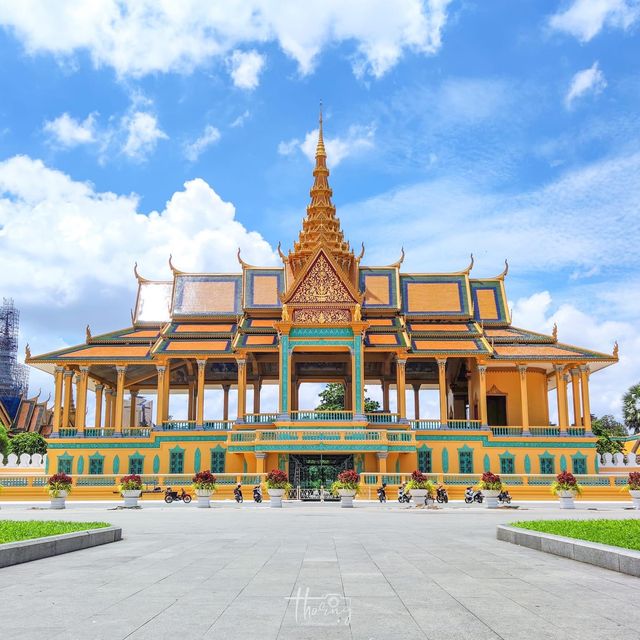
323 316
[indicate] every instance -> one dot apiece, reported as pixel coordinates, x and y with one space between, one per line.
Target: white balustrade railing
35 462
620 461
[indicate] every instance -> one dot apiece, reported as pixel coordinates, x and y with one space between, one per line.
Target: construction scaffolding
14 376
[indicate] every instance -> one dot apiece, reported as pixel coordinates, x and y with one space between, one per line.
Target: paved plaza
314 571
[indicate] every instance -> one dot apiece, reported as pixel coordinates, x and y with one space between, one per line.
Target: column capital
58 369
201 364
442 362
261 455
566 377
133 393
584 368
401 361
84 370
68 373
558 368
241 362
161 368
482 369
121 369
522 368
382 455
575 372
99 387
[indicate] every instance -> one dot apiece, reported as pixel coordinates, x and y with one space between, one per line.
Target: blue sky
499 128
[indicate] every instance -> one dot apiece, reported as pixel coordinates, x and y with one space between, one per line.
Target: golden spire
320 225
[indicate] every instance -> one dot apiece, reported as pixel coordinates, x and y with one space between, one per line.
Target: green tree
332 399
5 447
29 442
631 408
606 429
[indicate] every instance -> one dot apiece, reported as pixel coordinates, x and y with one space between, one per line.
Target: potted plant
204 484
131 489
346 486
277 484
634 488
491 485
566 487
59 486
420 488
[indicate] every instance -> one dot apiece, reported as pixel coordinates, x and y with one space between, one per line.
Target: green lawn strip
619 533
15 530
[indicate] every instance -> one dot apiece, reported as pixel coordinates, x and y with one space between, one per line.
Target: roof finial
320 151
554 333
615 349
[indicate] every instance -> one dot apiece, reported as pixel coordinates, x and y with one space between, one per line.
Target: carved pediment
321 284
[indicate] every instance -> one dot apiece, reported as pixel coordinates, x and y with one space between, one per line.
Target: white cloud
587 81
584 19
575 326
358 139
138 37
142 134
69 132
245 68
240 120
193 150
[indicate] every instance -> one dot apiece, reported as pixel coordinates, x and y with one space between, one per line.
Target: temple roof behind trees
215 315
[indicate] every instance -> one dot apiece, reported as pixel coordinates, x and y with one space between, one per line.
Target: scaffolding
14 376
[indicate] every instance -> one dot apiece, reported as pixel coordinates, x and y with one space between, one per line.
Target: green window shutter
135 465
547 465
465 461
507 465
64 465
579 465
96 466
217 461
176 462
424 460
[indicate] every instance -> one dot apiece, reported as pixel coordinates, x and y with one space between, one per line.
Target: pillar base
284 417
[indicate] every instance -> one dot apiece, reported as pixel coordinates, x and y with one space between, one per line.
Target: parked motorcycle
173 496
402 495
257 494
473 495
237 493
504 497
441 495
382 492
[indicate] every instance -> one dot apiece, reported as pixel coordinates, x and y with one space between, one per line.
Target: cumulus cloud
357 140
210 136
142 134
584 19
143 36
245 68
66 131
587 81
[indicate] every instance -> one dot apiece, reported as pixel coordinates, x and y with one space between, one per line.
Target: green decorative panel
445 460
357 357
284 373
65 464
156 464
398 465
283 462
465 460
486 462
547 463
579 463
318 332
563 463
358 461
507 464
116 464
244 465
197 460
176 460
218 459
597 462
96 464
80 465
424 460
527 464
136 464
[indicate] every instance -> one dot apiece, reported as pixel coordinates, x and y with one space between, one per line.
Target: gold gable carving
322 316
321 285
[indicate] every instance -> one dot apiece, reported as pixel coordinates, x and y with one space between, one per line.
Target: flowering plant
566 481
490 482
420 481
130 483
348 479
59 482
204 481
277 479
634 481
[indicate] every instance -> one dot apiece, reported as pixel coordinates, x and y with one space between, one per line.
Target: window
64 465
96 466
507 465
135 465
579 465
424 460
217 461
465 460
547 464
176 462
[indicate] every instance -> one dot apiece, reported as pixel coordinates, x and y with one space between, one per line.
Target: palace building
323 316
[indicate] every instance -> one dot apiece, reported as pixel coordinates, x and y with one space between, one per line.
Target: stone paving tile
228 573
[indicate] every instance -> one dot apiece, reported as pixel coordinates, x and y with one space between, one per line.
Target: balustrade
260 418
383 418
321 416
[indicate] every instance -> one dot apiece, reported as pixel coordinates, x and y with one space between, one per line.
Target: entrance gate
313 475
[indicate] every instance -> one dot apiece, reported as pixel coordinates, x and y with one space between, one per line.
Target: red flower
133 479
634 479
60 478
349 477
566 479
204 477
490 478
418 477
276 476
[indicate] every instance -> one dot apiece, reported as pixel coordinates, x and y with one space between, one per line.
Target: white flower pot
490 498
635 497
59 501
275 496
418 496
204 498
566 499
346 497
131 497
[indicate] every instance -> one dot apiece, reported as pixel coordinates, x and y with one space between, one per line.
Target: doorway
312 475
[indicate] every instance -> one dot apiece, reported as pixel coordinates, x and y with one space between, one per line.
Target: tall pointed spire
321 225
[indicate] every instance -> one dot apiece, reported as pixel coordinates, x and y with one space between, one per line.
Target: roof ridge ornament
502 275
88 333
399 261
176 272
615 349
554 333
27 351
